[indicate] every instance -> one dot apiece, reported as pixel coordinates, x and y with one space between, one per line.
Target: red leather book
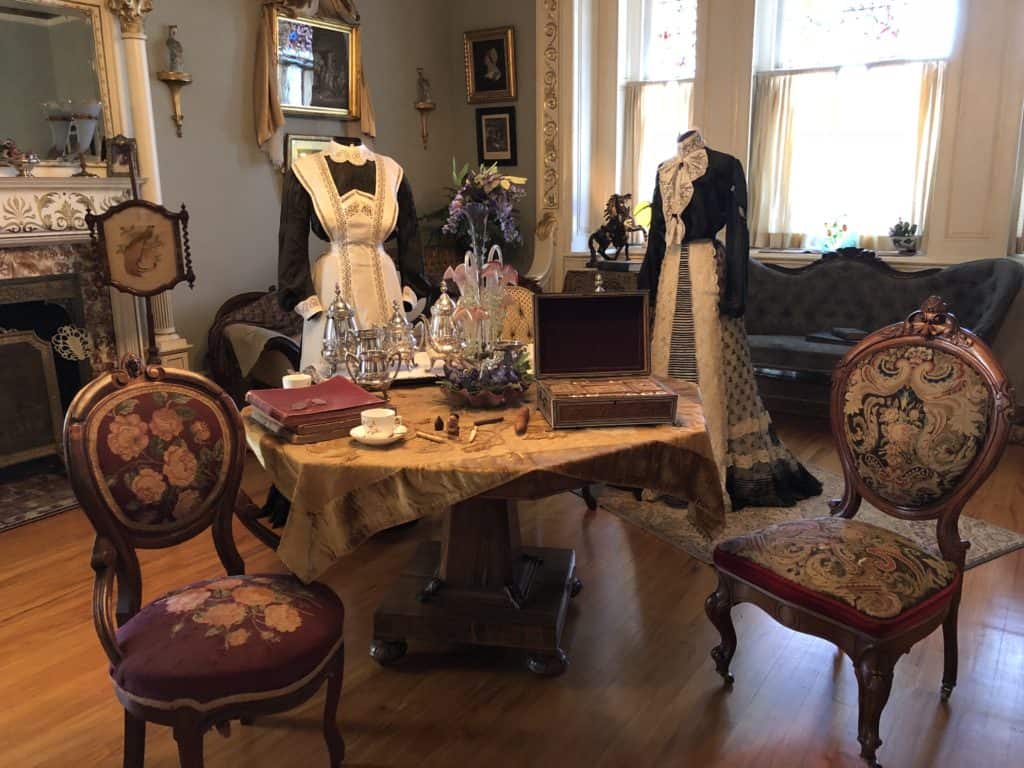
333 399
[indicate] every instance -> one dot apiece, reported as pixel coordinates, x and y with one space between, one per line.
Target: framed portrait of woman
490 57
317 66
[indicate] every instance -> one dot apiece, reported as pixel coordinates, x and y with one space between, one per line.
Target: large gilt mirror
53 101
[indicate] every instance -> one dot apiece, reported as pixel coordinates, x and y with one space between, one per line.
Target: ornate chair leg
718 607
874 672
335 743
189 736
134 741
949 640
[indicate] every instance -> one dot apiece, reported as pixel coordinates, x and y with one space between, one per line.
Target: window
847 98
657 54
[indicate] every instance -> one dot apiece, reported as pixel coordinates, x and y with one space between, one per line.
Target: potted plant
904 237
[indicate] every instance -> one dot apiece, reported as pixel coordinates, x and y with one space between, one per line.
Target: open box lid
583 335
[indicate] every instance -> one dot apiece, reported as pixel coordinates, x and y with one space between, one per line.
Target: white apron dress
357 224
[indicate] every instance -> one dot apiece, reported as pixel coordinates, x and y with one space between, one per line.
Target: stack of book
324 411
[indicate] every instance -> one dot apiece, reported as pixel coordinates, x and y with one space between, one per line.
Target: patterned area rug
32 491
670 524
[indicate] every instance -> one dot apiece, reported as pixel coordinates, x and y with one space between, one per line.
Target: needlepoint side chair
920 415
155 457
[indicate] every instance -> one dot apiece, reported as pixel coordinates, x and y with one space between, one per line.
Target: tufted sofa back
848 292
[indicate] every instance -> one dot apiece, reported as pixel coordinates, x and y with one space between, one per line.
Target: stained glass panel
671 40
815 33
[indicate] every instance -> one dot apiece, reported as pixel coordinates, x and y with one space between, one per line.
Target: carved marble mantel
52 210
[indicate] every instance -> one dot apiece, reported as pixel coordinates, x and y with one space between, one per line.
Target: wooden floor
640 690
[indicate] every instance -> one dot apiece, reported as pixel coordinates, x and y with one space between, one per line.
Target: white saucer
359 433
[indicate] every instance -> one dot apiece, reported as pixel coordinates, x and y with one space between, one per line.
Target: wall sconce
424 103
174 76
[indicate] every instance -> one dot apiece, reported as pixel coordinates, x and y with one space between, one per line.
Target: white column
173 347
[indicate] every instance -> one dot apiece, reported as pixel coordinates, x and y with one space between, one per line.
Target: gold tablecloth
343 492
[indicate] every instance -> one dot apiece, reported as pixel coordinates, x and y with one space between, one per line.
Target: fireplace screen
30 409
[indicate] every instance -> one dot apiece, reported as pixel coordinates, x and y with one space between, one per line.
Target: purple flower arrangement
482 198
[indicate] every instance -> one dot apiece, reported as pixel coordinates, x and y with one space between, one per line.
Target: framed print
298 145
496 135
122 156
317 66
143 247
490 58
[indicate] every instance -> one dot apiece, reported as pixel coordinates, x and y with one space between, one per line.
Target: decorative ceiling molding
132 13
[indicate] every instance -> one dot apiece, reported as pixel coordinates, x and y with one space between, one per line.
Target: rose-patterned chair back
920 414
154 454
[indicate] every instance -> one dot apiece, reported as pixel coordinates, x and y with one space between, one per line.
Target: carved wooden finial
934 320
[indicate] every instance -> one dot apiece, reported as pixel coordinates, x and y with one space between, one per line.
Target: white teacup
381 422
296 380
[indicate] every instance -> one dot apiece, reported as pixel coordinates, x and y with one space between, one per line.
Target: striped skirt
692 341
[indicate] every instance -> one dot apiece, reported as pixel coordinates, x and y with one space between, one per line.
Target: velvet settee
853 289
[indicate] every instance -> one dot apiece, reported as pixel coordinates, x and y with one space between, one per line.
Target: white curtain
654 114
855 145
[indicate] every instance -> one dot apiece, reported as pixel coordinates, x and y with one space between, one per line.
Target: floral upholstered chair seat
914 418
864 576
228 637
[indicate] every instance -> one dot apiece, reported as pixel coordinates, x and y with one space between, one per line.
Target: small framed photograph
298 145
122 156
496 135
317 66
490 59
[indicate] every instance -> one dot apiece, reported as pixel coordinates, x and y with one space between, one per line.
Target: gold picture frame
297 145
318 66
490 61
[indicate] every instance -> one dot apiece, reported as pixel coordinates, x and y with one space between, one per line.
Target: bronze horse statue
617 227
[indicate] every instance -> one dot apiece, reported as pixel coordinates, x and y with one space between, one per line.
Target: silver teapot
340 331
400 336
444 339
371 367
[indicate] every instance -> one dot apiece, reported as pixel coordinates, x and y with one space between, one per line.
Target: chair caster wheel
548 664
386 652
575 586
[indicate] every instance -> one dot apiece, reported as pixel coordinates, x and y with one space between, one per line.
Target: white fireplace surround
50 208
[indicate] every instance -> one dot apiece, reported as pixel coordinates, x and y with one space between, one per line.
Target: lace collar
356 154
675 178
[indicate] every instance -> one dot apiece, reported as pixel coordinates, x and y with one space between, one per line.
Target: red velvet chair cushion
228 637
858 574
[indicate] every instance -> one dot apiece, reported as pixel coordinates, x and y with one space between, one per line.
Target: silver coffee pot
340 331
371 367
444 338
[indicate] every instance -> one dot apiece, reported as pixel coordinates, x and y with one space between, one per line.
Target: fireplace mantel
37 211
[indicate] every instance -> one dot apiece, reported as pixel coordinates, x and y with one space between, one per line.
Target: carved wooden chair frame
114 560
874 659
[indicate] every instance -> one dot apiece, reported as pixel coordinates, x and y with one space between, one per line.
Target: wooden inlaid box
592 359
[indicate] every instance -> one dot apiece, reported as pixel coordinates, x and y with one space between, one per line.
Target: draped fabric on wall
269 116
654 114
822 137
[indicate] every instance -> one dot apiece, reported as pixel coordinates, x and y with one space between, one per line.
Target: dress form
354 199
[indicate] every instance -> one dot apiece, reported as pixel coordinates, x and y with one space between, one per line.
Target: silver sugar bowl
371 367
340 331
400 336
444 338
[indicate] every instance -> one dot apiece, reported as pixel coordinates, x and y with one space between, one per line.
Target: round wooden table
479 584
